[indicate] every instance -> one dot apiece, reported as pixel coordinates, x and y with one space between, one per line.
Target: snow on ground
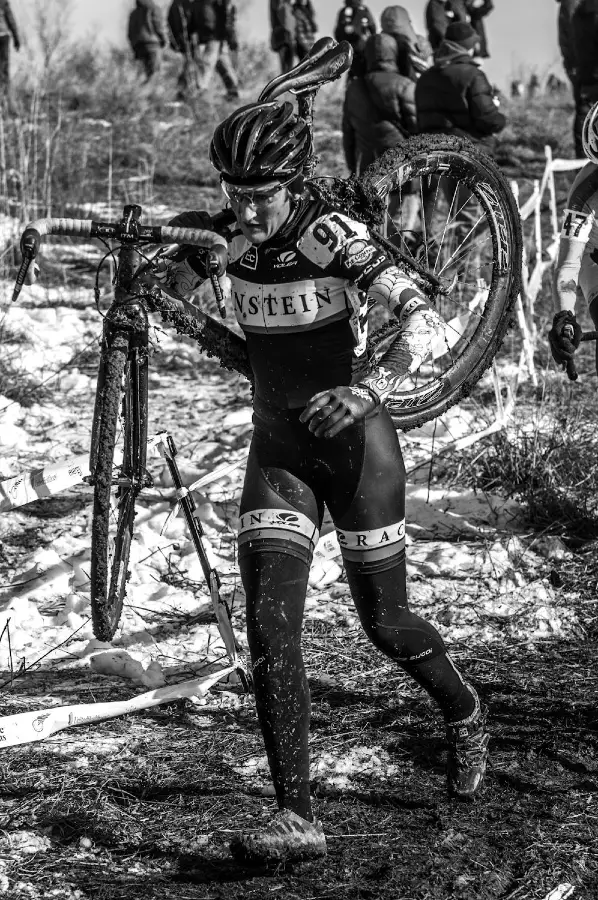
471 569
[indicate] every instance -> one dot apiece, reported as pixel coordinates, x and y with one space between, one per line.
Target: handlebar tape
198 237
40 227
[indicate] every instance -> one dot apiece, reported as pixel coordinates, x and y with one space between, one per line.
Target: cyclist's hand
193 218
564 337
329 412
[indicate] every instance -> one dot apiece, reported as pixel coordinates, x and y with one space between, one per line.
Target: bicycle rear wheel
123 389
452 221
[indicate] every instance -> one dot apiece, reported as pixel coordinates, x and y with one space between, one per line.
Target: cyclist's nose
246 210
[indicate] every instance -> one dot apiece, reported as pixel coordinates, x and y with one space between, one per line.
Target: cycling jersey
577 263
301 299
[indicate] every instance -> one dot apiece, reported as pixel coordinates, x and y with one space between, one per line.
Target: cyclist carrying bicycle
577 262
301 275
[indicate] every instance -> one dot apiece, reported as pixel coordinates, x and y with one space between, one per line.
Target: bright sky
521 33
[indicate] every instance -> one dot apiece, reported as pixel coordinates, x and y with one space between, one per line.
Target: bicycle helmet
261 142
589 134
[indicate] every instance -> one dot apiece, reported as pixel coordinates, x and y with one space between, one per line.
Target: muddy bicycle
121 404
442 209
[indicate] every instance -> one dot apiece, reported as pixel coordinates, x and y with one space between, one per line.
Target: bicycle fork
130 321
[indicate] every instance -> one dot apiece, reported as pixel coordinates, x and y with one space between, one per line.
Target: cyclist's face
260 213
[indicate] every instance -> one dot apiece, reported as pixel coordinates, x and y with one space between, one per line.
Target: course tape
41 483
23 728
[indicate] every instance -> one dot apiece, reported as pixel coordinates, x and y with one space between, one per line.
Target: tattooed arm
421 327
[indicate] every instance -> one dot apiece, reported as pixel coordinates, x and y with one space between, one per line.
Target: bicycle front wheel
452 221
121 408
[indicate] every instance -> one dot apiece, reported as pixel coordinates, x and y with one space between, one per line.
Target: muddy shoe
288 838
467 753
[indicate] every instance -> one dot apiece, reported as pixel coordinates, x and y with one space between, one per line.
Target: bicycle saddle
326 61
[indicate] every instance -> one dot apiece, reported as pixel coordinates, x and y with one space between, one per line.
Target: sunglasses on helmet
259 196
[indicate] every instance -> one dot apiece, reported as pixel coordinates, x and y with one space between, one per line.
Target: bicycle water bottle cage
326 62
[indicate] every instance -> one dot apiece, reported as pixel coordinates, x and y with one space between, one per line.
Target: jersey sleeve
577 226
344 248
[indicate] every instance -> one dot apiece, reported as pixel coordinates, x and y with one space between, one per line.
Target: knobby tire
459 157
109 576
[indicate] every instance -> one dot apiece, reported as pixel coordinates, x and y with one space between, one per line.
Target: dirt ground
143 807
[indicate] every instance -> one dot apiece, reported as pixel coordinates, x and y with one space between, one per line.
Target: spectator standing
213 31
355 24
305 27
379 108
8 30
455 97
293 29
146 36
478 10
565 27
415 53
584 59
179 21
439 15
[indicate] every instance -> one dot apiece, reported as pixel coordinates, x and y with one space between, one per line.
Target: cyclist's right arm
182 268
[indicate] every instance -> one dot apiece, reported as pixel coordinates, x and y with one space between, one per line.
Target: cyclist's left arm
364 263
577 226
421 327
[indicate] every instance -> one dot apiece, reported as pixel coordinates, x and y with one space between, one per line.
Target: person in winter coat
477 11
379 108
8 30
439 15
146 36
565 29
355 24
454 96
293 30
212 29
179 21
415 53
582 61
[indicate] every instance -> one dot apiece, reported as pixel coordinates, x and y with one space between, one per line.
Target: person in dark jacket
355 24
214 35
146 36
454 96
565 26
179 21
379 108
477 11
415 53
8 30
378 114
293 29
439 15
582 60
